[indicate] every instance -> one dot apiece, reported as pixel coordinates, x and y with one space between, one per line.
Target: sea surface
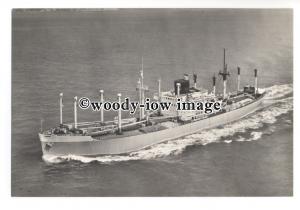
78 52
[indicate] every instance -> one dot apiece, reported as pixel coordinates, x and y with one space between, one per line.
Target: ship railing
85 124
162 117
250 96
82 124
99 127
135 123
97 133
112 129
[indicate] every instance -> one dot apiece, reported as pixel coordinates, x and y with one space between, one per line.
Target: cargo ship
123 136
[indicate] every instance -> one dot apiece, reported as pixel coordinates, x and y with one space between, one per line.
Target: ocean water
78 52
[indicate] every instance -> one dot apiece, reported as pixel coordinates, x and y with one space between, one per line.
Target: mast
41 129
119 115
178 89
195 80
238 78
255 85
159 94
61 108
214 84
75 112
139 88
159 88
101 110
142 90
178 94
224 74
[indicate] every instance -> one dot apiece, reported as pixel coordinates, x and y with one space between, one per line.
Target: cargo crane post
224 74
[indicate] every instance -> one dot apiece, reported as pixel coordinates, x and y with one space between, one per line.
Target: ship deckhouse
186 93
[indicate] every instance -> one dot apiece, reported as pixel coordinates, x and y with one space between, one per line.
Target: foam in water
278 91
256 135
227 141
240 138
276 106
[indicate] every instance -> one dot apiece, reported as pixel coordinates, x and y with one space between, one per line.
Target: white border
131 203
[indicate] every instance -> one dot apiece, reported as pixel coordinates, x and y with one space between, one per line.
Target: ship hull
87 146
